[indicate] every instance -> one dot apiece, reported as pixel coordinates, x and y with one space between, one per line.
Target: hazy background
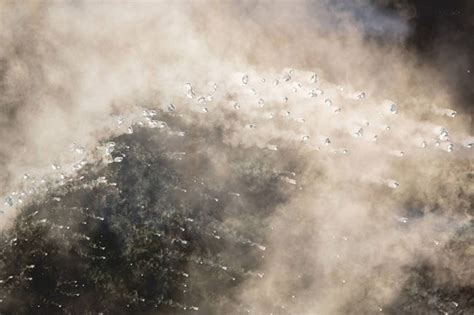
69 70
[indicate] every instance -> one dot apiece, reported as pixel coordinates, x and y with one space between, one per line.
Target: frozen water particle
55 166
361 95
8 201
288 180
148 113
402 219
393 109
315 93
393 184
157 124
171 107
245 79
444 135
359 133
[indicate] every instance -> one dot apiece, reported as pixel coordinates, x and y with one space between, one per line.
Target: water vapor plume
289 157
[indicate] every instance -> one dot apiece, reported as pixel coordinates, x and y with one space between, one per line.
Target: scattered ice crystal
393 184
245 79
393 109
171 107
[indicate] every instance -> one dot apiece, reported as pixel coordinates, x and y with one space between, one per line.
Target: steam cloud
369 150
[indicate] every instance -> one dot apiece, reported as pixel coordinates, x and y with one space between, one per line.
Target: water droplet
328 102
314 78
450 147
272 147
286 77
359 133
361 95
327 141
149 113
201 100
402 219
393 109
444 135
8 201
305 138
245 79
130 130
171 107
261 102
288 180
55 166
118 159
157 124
316 92
236 106
393 184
